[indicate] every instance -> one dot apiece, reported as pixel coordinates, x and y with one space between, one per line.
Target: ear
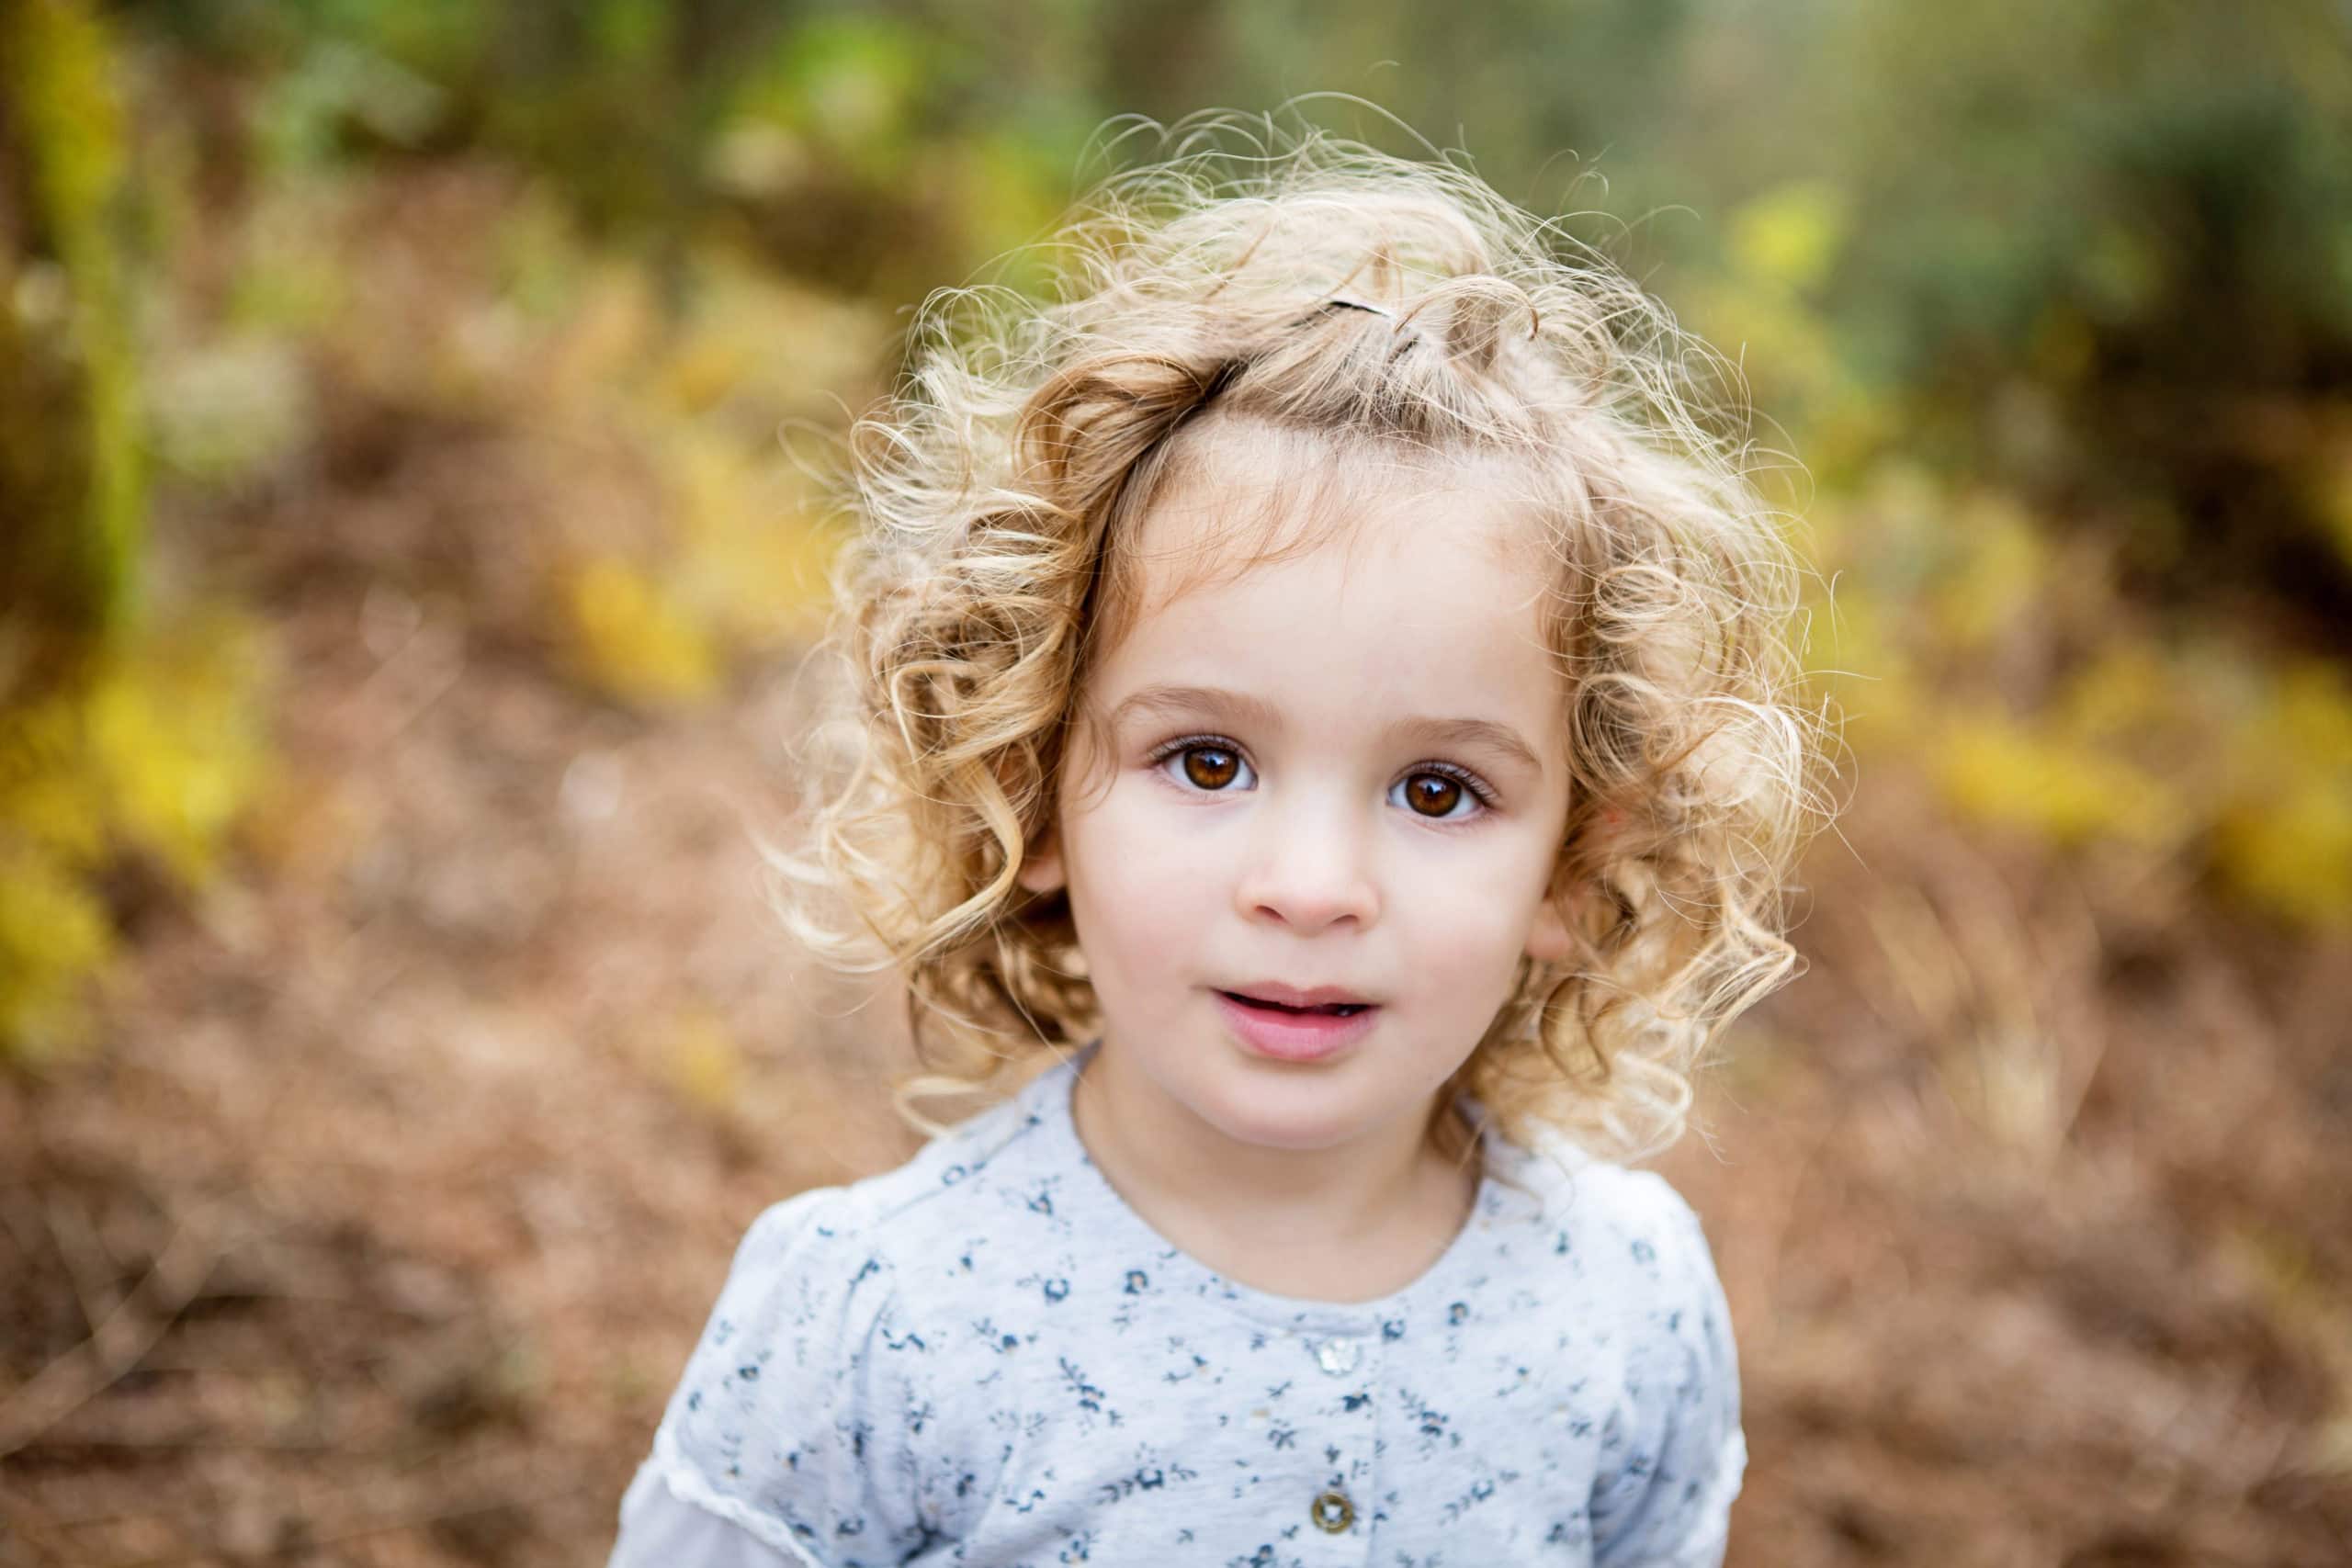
1548 940
1041 866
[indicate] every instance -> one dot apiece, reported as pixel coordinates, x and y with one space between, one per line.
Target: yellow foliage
1790 234
2126 690
704 1063
632 638
748 570
753 561
1771 335
177 742
53 934
2284 833
2293 851
747 562
753 336
1783 243
45 798
2310 716
1850 425
2000 770
2135 751
1852 654
159 751
1003 188
704 369
1998 567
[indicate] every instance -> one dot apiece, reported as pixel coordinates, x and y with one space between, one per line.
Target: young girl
1321 699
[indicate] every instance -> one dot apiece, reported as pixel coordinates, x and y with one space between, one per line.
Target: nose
1309 868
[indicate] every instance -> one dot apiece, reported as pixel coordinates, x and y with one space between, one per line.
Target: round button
1339 1357
1333 1512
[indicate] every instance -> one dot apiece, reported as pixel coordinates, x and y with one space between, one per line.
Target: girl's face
1344 770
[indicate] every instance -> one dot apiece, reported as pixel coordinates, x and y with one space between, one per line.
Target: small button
1333 1512
1339 1357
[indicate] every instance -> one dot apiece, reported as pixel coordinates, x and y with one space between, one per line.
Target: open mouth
1330 1010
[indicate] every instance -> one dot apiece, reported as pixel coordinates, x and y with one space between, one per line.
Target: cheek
1138 892
1470 917
1468 941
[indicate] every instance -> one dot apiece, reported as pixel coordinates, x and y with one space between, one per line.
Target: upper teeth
1315 1007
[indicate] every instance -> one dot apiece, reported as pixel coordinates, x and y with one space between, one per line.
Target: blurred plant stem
71 480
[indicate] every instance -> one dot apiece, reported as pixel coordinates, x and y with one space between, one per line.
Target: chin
1262 1118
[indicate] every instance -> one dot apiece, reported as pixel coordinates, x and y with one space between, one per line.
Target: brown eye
1437 793
1217 772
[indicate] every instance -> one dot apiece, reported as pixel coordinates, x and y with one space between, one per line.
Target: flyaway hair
1203 301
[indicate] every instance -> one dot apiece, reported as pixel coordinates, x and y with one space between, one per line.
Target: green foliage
850 86
2135 223
308 111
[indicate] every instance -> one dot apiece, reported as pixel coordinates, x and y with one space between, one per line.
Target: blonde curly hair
999 486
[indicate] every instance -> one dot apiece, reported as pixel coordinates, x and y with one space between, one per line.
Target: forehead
1340 592
1242 496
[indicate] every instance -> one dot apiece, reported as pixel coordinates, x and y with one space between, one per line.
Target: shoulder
964 1181
1627 1244
807 1410
1671 1453
838 1253
838 1249
1630 1224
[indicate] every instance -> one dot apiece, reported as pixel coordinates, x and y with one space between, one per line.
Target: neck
1350 1222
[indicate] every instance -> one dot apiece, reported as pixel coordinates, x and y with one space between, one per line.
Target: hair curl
998 486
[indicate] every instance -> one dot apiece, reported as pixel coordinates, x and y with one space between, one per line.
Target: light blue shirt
986 1358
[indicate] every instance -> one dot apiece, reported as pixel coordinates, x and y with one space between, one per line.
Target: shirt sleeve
792 1427
1663 1496
662 1529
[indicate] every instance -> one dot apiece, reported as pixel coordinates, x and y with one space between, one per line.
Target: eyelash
1478 788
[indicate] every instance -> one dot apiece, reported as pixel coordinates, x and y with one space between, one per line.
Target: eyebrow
1169 701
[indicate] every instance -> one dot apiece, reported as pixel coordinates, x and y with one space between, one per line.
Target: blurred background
404 572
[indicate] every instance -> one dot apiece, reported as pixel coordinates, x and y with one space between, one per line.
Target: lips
1296 1032
1293 999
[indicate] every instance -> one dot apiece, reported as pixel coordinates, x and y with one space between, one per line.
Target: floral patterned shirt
986 1358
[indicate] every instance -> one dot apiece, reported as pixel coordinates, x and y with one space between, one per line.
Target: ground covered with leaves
380 1223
